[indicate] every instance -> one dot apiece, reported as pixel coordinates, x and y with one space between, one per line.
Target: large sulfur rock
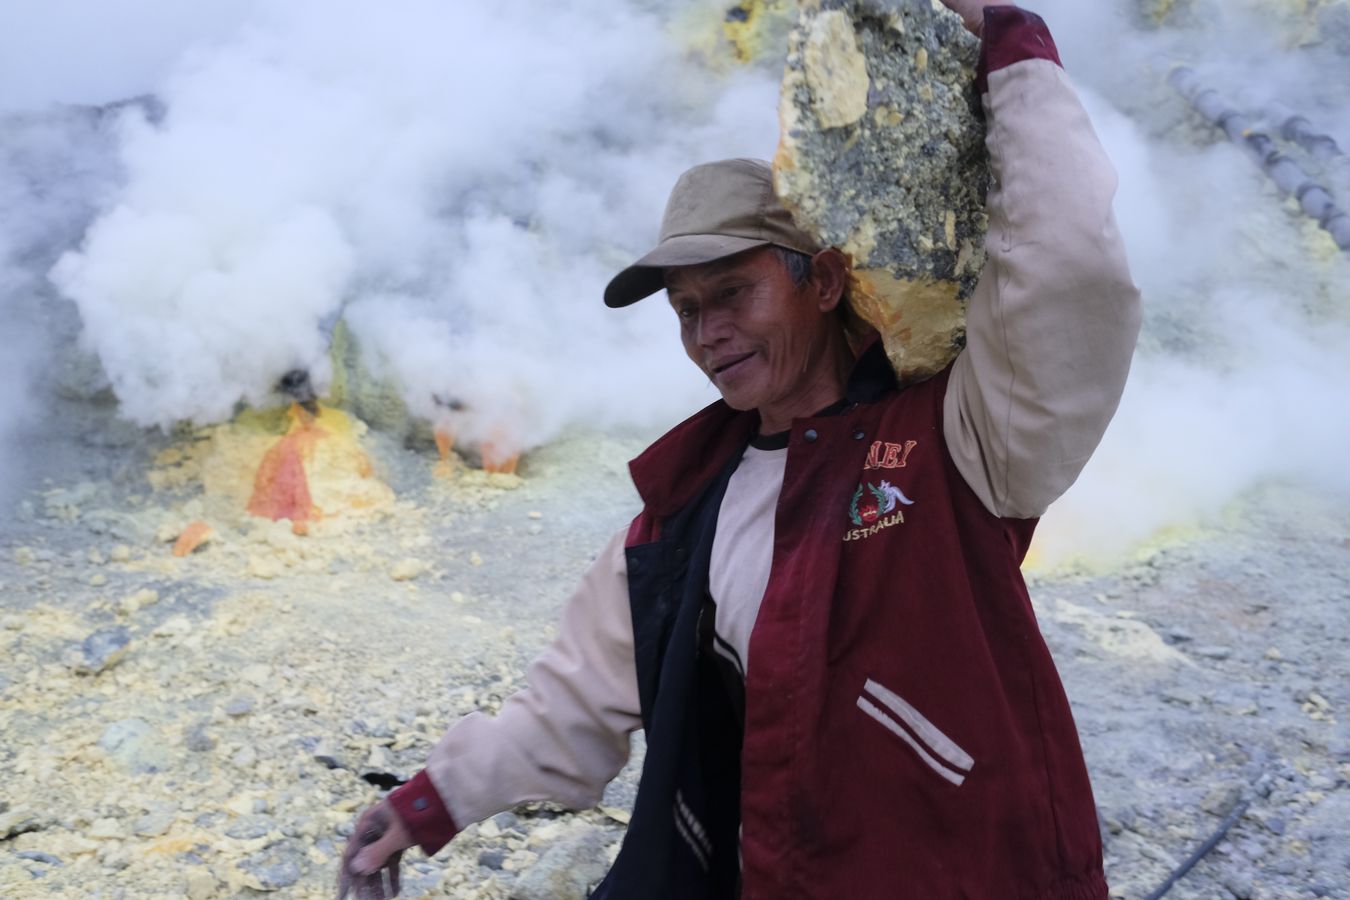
882 155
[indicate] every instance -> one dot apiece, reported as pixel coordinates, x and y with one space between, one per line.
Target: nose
714 326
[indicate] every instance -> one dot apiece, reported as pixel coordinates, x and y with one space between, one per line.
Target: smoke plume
1241 371
457 182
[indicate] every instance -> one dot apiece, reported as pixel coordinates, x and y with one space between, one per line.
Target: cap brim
645 277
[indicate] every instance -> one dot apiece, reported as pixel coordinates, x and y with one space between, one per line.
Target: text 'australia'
858 534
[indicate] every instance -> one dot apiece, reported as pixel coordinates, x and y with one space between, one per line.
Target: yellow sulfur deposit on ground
754 28
746 32
279 464
1297 22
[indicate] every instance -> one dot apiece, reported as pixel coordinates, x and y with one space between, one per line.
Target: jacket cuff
423 813
1012 35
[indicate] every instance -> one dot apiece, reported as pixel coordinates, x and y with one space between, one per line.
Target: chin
741 401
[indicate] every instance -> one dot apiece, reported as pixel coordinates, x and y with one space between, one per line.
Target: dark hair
798 264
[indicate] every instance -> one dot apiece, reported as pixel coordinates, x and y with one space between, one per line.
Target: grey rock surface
102 650
275 868
135 745
882 154
568 869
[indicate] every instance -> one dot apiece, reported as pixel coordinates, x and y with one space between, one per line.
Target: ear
829 278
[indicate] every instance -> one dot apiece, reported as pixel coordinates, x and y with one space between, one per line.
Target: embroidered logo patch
885 455
875 507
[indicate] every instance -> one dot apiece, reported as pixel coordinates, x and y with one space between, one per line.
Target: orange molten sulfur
192 537
495 458
281 488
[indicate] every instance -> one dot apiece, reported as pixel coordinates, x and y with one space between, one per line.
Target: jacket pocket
939 752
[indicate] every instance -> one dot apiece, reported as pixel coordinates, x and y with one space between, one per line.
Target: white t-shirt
742 552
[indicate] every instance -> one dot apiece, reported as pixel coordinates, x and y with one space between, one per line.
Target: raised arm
1052 325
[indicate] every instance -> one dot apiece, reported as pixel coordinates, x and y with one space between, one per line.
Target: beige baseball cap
716 210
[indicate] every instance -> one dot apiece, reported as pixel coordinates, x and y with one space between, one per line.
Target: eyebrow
719 268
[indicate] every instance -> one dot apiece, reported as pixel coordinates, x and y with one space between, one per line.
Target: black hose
1319 145
1315 200
1203 850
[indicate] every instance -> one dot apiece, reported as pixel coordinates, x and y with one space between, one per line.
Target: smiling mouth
731 363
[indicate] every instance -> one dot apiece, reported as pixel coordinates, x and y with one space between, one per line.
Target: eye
730 291
686 312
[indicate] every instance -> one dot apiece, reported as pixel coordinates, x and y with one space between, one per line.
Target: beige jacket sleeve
565 735
1052 324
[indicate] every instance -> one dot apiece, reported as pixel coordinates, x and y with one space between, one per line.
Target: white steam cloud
458 181
54 168
1243 367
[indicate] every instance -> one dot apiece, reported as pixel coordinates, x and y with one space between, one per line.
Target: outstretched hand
374 849
972 12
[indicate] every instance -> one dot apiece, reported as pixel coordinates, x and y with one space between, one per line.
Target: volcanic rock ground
201 727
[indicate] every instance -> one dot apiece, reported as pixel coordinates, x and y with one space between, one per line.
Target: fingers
373 856
375 847
373 885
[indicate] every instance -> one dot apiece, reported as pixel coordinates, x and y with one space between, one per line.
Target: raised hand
972 12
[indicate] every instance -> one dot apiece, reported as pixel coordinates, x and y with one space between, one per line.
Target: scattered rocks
408 569
567 869
154 823
1179 696
201 884
102 650
1220 800
198 739
136 746
138 601
14 822
239 706
174 627
327 756
273 869
251 827
105 829
1213 652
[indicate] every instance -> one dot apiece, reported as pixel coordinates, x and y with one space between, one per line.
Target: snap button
858 435
420 803
810 435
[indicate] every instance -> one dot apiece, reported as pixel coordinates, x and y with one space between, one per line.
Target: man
819 617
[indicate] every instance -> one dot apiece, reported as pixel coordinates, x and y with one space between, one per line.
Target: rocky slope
208 726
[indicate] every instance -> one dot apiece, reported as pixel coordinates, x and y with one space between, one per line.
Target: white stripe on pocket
937 750
940 744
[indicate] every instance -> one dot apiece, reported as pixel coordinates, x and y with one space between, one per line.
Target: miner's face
758 337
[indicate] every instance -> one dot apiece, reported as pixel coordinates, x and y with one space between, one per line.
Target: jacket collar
872 376
670 472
